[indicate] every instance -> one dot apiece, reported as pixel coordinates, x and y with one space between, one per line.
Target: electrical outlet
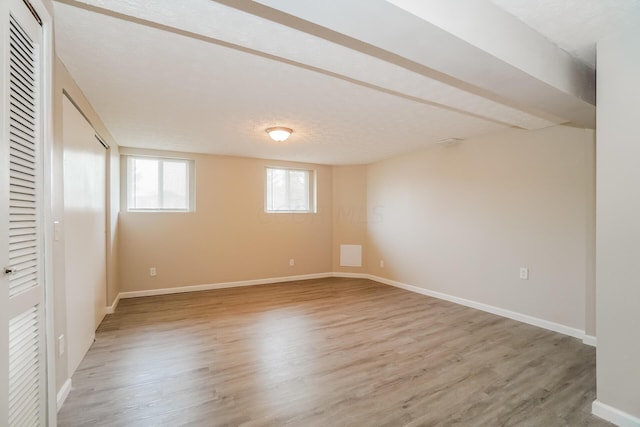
524 273
381 264
61 345
292 262
152 272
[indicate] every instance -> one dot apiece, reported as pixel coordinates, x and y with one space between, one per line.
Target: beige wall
462 220
349 213
64 82
229 237
618 224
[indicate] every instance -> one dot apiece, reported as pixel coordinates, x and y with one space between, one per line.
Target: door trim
47 185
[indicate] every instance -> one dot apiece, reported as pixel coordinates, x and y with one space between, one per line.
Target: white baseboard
195 288
616 416
351 275
545 324
590 340
112 308
63 393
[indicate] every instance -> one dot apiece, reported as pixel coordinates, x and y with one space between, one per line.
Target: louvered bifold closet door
23 161
24 369
26 344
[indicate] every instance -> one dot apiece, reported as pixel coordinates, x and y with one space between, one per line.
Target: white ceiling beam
469 44
488 27
247 32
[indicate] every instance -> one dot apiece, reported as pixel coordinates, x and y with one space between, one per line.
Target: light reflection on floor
283 344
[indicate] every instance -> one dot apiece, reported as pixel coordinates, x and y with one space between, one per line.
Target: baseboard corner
590 340
112 308
614 415
63 393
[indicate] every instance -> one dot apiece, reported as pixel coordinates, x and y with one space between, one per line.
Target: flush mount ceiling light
279 133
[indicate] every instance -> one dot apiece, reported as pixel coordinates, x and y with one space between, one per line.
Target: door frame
47 94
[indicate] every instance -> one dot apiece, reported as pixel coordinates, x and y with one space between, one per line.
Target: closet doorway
84 223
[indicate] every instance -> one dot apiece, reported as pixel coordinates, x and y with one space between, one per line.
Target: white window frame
312 191
127 182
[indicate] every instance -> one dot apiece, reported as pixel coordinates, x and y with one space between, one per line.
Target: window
289 190
157 184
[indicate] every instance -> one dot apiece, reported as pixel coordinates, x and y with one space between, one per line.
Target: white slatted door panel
24 245
24 378
23 337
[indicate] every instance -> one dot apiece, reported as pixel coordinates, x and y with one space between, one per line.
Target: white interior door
23 396
84 232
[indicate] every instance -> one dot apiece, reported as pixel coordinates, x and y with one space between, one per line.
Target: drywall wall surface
349 213
113 206
229 237
618 225
590 248
463 219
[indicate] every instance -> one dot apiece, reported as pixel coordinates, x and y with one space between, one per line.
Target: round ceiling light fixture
279 133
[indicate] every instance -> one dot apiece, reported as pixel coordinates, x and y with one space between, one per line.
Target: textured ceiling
575 25
198 76
154 89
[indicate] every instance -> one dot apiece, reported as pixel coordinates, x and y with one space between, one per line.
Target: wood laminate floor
330 352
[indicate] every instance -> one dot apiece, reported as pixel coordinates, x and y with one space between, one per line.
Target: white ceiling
210 77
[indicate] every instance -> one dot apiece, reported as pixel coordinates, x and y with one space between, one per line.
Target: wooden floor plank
328 352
